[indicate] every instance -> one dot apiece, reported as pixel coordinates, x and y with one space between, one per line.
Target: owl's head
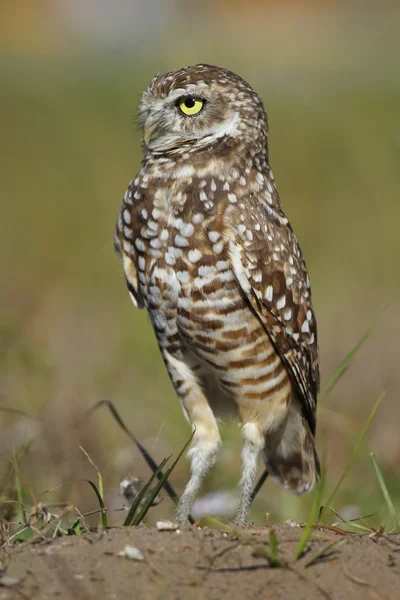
200 106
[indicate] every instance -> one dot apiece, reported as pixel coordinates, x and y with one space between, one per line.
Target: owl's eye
190 106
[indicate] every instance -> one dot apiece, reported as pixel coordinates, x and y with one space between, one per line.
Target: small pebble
292 523
131 552
167 526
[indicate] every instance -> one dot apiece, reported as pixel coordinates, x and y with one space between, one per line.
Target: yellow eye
190 106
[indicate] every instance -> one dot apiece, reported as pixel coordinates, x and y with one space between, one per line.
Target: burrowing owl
207 249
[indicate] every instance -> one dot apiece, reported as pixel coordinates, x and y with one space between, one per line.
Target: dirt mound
203 564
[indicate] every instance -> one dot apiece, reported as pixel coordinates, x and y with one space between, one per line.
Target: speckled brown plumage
209 252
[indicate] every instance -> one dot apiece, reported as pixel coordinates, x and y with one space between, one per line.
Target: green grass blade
103 516
147 457
145 454
385 492
354 452
138 518
100 499
20 413
135 506
20 497
273 557
273 544
18 455
312 515
60 485
334 378
350 522
215 523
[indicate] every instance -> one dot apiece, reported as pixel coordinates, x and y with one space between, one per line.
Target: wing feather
270 268
124 247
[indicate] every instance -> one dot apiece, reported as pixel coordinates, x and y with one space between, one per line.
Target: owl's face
199 106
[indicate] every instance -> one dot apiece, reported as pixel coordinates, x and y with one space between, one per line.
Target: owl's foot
182 511
241 519
202 455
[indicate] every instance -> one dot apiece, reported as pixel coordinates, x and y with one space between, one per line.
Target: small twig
362 582
56 529
332 528
82 520
233 569
46 529
376 533
7 542
100 510
355 579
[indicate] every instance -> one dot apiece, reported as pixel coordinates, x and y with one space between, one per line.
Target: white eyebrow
190 89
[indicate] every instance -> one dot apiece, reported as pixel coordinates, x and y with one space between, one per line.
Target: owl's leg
206 439
253 443
202 453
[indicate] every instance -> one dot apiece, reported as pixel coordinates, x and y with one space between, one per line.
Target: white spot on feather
305 327
194 255
181 241
205 270
213 236
238 268
183 276
140 245
187 230
281 302
198 218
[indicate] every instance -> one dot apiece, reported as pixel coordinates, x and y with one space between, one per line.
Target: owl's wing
271 271
124 246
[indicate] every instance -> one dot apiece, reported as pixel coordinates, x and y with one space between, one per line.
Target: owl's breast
184 268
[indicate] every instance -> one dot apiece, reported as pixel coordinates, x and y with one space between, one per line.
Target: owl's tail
289 453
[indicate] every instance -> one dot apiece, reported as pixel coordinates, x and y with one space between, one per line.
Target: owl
208 251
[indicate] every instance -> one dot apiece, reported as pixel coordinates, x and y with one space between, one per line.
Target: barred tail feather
289 453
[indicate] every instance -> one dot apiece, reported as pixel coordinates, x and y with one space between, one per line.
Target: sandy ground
201 564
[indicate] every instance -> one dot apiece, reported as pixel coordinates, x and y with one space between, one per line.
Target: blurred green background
71 76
